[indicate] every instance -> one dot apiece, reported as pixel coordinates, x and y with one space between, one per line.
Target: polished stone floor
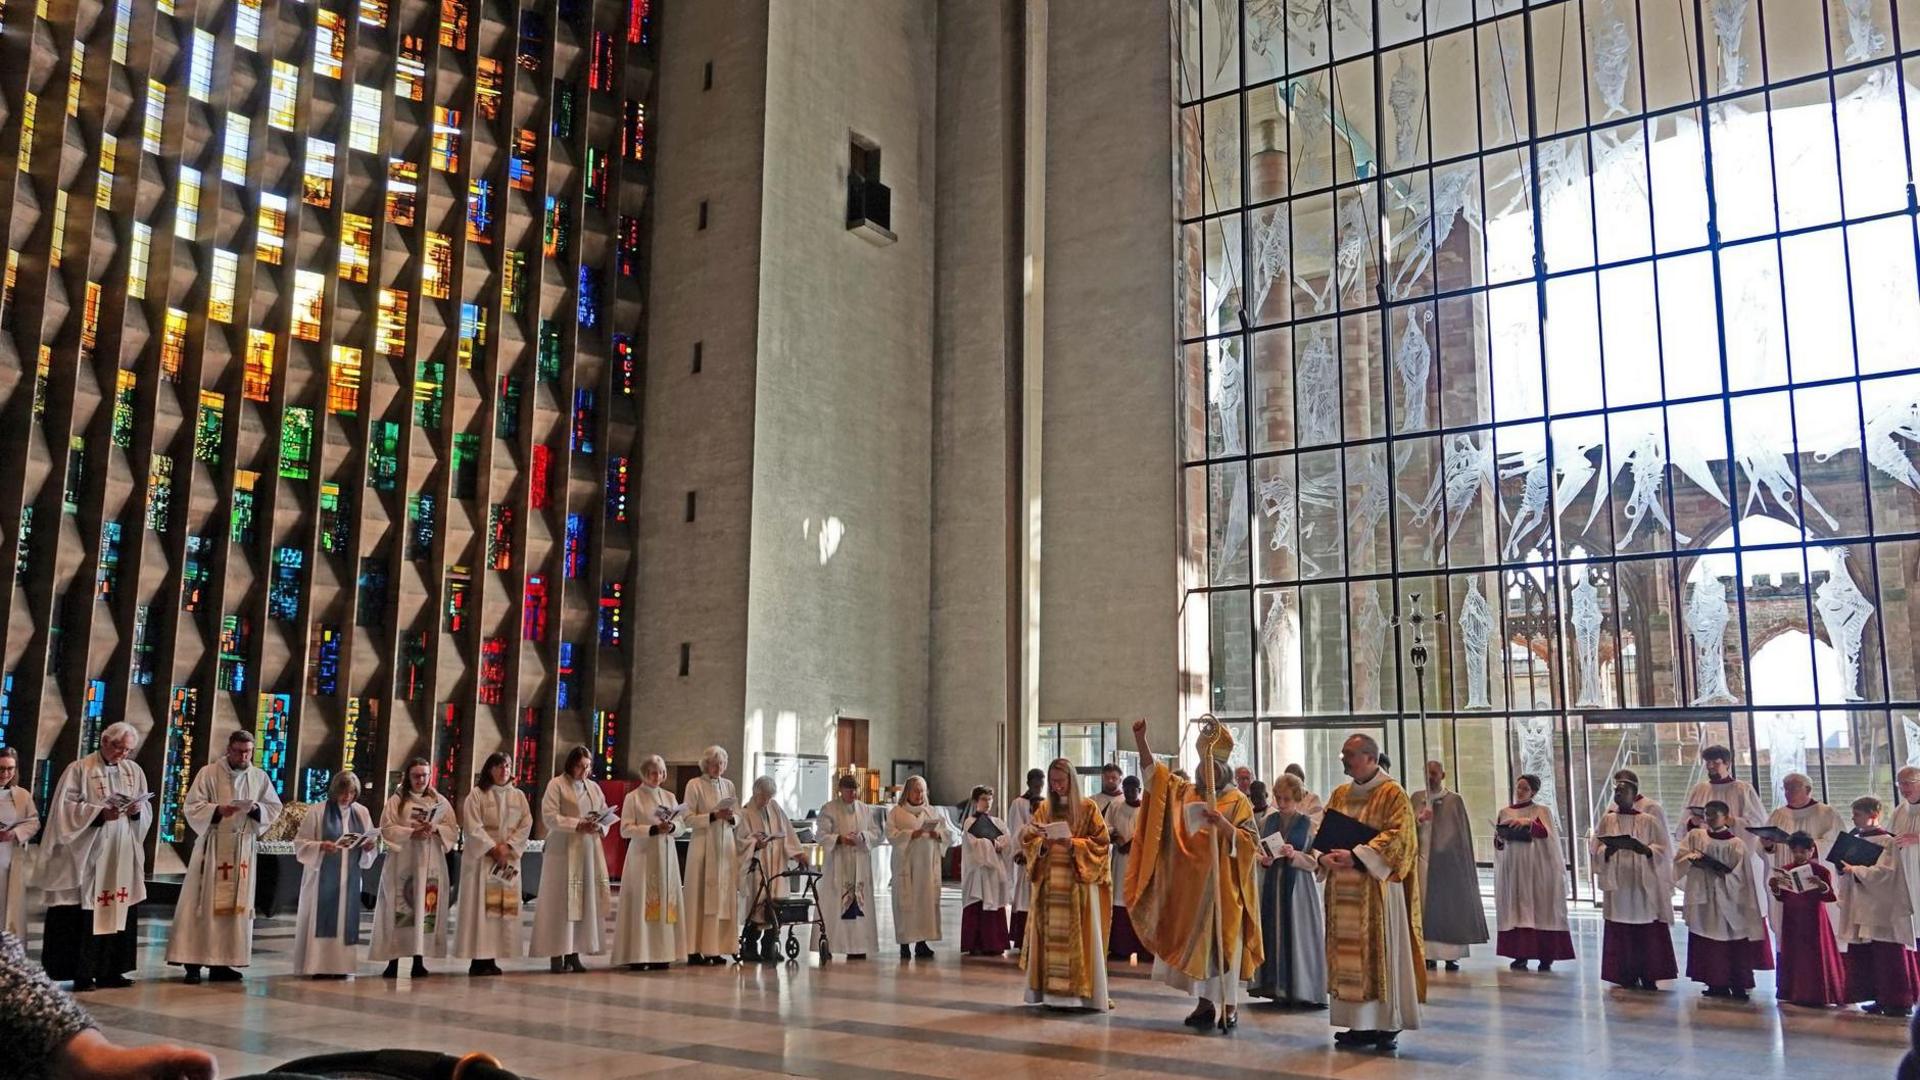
945 1017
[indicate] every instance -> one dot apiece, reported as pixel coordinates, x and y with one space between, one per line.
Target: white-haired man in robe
95 864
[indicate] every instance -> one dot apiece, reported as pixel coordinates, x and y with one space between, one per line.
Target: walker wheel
793 947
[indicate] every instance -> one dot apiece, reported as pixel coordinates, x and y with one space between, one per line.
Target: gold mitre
1214 740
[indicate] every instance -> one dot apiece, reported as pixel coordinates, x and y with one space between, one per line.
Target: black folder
1623 843
1851 850
1515 832
1770 832
1338 832
1708 862
983 828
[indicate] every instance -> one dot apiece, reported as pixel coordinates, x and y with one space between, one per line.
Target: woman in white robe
1020 815
410 916
985 892
498 823
650 933
1530 882
19 823
228 805
921 837
850 831
713 863
326 928
575 896
768 848
1636 894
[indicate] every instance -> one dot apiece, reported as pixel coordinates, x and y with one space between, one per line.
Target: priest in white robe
1020 813
229 804
19 824
1877 924
1530 882
649 933
1635 876
497 823
921 836
1726 923
1800 812
850 831
713 862
410 915
569 918
769 847
1904 824
985 891
336 844
94 864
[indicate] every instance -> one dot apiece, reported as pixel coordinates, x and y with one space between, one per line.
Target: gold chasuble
1065 954
1356 899
1171 889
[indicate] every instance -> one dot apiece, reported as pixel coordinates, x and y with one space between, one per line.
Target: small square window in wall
697 349
686 658
692 504
706 77
869 202
703 215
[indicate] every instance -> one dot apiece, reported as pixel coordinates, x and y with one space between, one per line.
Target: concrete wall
697 430
837 604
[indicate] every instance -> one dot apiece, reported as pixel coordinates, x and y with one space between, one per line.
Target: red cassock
1810 971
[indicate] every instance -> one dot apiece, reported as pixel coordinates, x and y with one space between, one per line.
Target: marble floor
945 1017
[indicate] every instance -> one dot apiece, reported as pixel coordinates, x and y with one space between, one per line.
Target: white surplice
1743 809
489 923
1658 813
1530 877
1120 819
1906 822
651 927
846 881
1874 903
1019 816
1634 888
713 869
575 896
983 866
213 920
1720 907
410 916
102 869
1816 819
916 870
334 954
768 847
17 815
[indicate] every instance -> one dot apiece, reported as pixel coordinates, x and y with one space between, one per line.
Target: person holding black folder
1876 918
1801 812
985 891
1370 862
1635 876
1726 926
1529 882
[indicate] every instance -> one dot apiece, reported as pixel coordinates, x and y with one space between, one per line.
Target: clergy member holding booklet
497 822
769 848
1632 867
19 822
649 933
1020 813
921 837
1904 824
569 918
1293 928
1122 816
1876 919
1066 845
1372 889
335 845
93 864
985 892
713 863
228 805
1801 812
1453 919
1190 879
1744 811
1810 971
850 831
410 915
1726 926
1530 882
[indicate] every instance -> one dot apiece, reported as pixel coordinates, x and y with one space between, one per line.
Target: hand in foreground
1216 818
1340 859
587 826
1906 840
89 1056
110 814
1265 859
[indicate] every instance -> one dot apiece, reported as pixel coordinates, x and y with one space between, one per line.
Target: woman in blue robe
1292 922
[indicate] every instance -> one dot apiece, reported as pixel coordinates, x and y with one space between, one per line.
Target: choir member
769 848
1877 924
649 933
1800 813
228 805
1193 867
1454 919
1635 875
1905 826
1372 890
498 822
410 912
1645 804
575 896
19 822
1810 971
1726 926
985 892
1121 814
1292 926
713 863
1243 779
335 845
920 836
1743 812
1529 882
1311 805
94 863
1066 845
1111 778
1019 814
1262 808
851 832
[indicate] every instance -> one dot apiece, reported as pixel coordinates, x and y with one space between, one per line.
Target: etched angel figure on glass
1476 632
1468 470
1586 618
1729 27
1319 388
1414 362
1280 658
1370 625
1707 618
1844 611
